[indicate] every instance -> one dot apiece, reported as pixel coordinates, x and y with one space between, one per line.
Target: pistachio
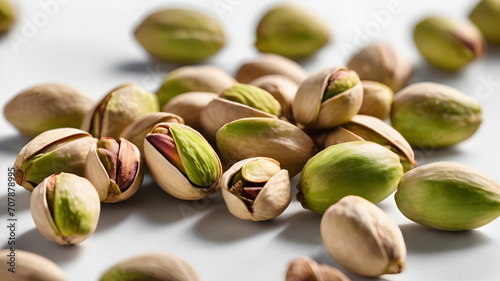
328 98
185 79
382 63
283 89
47 106
154 266
434 115
28 267
7 15
189 106
268 64
360 168
448 196
256 189
377 100
448 44
486 16
305 269
118 109
265 137
291 31
65 208
362 238
52 152
182 162
180 35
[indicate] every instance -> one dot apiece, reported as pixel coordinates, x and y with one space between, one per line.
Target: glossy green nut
486 16
448 44
360 168
434 115
180 36
7 15
448 196
254 97
291 31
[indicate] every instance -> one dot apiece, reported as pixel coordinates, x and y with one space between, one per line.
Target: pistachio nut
434 115
189 106
65 208
283 89
265 137
180 35
182 162
136 131
114 168
448 196
382 63
256 189
362 238
486 16
47 106
305 269
7 15
52 152
118 109
153 266
360 168
448 44
328 98
291 31
204 78
377 99
28 267
268 64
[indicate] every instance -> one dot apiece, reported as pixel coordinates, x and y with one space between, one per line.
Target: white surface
89 44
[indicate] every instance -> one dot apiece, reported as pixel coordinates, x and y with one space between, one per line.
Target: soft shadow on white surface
429 155
302 227
425 72
12 144
22 199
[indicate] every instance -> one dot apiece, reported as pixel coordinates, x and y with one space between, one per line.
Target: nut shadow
425 72
429 155
302 227
22 199
13 144
493 52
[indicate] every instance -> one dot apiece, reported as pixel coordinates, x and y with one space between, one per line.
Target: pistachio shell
305 269
7 15
281 88
28 267
486 16
189 106
254 97
377 100
268 64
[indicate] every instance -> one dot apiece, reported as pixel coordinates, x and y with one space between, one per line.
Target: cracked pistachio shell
448 44
65 208
265 137
189 106
118 109
377 99
291 31
362 238
268 64
153 267
360 168
7 15
180 35
182 162
448 196
115 169
47 106
52 152
382 63
486 16
283 89
28 267
309 109
305 269
202 78
271 200
434 115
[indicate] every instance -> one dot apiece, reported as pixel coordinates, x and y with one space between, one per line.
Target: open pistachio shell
283 89
268 64
262 176
28 267
189 106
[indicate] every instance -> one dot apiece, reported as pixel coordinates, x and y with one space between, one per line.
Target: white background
90 45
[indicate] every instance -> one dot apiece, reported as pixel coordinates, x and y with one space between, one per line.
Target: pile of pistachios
205 132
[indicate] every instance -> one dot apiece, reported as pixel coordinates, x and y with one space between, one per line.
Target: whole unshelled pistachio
360 168
268 64
305 269
362 238
180 35
189 106
283 89
52 152
256 189
204 78
7 15
152 267
47 106
448 44
448 196
65 208
434 115
291 31
28 267
382 63
118 109
486 16
377 99
182 162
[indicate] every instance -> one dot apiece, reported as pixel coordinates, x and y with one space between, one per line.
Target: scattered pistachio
268 64
305 269
189 106
7 15
28 267
486 16
377 100
283 89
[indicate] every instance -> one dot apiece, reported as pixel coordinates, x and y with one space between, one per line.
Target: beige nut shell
29 267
